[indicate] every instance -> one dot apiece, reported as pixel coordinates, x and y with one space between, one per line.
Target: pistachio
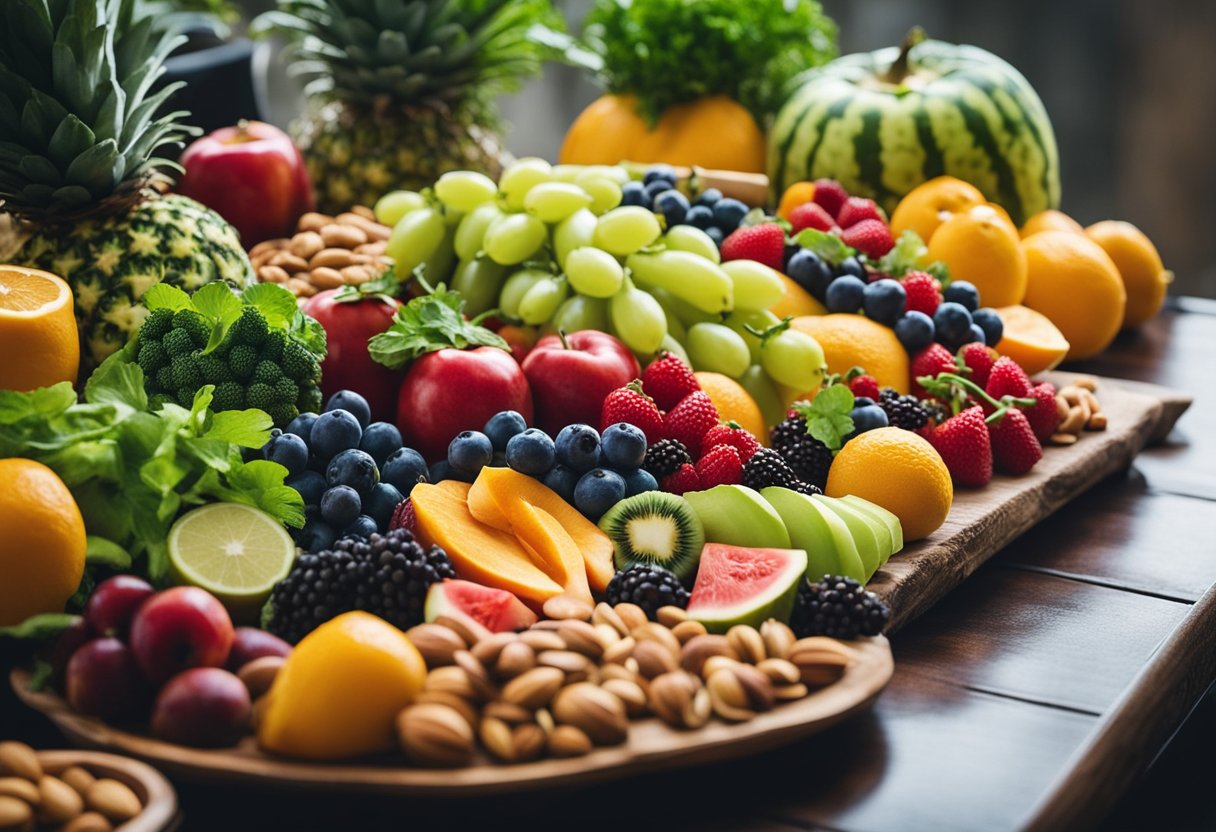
78 778
599 713
535 688
19 788
686 631
19 760
436 643
820 660
631 615
748 643
540 640
259 674
515 658
700 649
462 629
679 699
738 692
605 614
630 693
529 741
113 799
779 671
495 735
89 822
59 803
777 637
453 680
652 631
563 607
669 616
576 666
476 671
490 648
581 637
653 659
435 734
569 741
459 704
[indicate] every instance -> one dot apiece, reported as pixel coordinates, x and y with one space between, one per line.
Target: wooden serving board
983 521
651 746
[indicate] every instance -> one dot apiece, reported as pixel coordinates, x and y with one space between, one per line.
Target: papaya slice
561 557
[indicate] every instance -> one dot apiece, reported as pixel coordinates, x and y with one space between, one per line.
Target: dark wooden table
1034 696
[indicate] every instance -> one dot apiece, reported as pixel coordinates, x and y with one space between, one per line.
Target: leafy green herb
426 324
828 247
827 416
907 256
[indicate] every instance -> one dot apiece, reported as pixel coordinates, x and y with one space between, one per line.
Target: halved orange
37 330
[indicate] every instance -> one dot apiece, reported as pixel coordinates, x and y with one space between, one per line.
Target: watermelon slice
495 610
744 585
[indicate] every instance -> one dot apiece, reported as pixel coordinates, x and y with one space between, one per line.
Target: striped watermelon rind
972 116
745 585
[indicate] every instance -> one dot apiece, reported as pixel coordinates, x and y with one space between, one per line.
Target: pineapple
403 89
78 175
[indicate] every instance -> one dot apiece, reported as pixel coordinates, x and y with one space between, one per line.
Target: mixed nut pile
1079 411
325 253
73 801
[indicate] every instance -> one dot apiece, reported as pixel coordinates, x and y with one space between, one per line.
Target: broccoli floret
164 378
228 396
157 324
261 396
186 373
286 390
272 347
192 323
298 362
185 396
242 361
159 400
250 329
151 358
214 370
268 372
282 414
177 343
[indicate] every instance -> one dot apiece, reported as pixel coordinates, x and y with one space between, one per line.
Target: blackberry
807 488
902 411
767 467
809 458
838 607
650 587
386 575
665 457
935 410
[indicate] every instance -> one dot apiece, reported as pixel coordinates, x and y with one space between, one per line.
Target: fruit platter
445 472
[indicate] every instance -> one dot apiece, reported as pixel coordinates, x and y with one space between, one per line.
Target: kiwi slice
657 528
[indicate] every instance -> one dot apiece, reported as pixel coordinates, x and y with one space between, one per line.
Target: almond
700 649
306 244
259 674
686 631
597 712
19 760
495 735
437 644
19 788
435 734
528 741
15 814
59 803
562 607
343 236
535 688
313 221
653 659
631 614
334 258
568 741
323 277
273 274
670 616
778 637
113 799
89 822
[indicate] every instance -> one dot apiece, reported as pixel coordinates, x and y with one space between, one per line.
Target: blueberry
915 331
531 452
363 527
654 189
962 292
809 271
354 468
340 506
700 216
352 403
316 536
470 451
884 301
639 480
597 491
728 213
379 440
301 426
288 450
851 265
403 469
845 294
866 415
952 322
989 321
977 334
563 480
623 446
716 235
381 503
708 197
633 193
333 432
578 447
673 205
499 460
660 172
310 485
441 471
502 426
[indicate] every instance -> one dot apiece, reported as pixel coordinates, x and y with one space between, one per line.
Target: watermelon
745 585
883 122
495 610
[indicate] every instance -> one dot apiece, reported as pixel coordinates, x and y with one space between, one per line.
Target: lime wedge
234 551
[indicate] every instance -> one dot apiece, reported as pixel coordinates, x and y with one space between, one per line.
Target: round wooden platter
154 791
651 746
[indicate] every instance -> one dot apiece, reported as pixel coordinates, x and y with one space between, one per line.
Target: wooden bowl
154 791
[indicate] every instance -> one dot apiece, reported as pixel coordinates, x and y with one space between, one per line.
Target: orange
1145 277
1031 339
1075 283
733 402
898 470
37 322
855 341
928 205
797 301
1050 220
981 246
42 541
797 194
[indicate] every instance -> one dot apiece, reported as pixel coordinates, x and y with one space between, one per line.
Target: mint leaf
826 246
103 552
217 302
247 428
164 296
275 303
40 627
117 382
827 416
426 324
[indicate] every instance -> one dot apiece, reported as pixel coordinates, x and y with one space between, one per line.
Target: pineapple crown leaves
434 52
78 118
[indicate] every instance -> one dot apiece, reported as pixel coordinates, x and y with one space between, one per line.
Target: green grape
685 275
692 239
464 190
740 321
672 344
513 238
566 173
637 319
521 176
757 286
605 193
414 239
552 202
438 267
394 205
626 229
681 310
594 272
541 300
516 286
479 282
717 349
574 231
614 172
472 229
675 327
794 359
761 388
579 312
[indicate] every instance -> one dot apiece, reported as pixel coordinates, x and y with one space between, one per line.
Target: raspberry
731 434
924 292
685 479
690 420
864 385
720 466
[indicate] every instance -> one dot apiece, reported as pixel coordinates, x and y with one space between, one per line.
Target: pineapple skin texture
110 263
355 155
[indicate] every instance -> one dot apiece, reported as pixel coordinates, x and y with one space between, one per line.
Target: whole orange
37 322
734 403
1145 278
981 246
1074 282
928 205
856 341
797 301
1050 220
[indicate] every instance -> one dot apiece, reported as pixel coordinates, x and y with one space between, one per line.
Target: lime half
234 551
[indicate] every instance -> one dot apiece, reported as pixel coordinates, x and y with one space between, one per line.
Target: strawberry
721 466
684 479
810 215
979 359
668 379
404 517
1044 417
1015 448
829 195
930 361
871 237
732 434
690 420
865 385
764 243
1007 379
965 447
856 209
924 292
630 404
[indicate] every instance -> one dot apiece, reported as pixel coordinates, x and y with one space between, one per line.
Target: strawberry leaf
826 246
828 416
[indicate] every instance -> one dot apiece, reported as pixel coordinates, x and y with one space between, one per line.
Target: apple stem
242 127
561 334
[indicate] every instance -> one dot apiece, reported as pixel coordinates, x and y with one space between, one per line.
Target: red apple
349 325
570 380
114 602
451 390
252 175
205 707
250 643
178 629
103 680
75 636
